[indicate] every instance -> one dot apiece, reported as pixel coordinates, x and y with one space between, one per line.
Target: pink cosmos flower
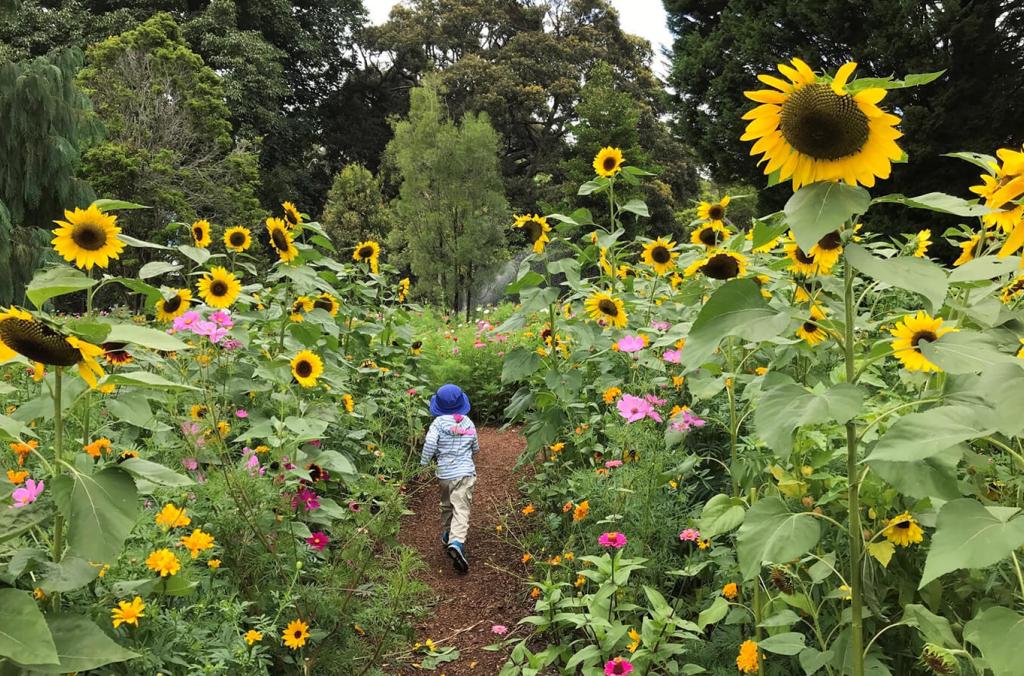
499 629
184 322
672 356
316 443
630 344
318 541
685 420
613 539
306 498
653 400
633 408
617 667
191 464
689 535
231 344
253 462
658 325
27 494
612 464
222 318
241 413
411 391
479 344
210 330
455 350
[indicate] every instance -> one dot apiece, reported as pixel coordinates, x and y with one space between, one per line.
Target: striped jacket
452 440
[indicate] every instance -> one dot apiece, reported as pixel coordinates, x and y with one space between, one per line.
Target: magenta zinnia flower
619 665
28 493
306 498
318 541
630 344
612 464
499 629
613 539
689 535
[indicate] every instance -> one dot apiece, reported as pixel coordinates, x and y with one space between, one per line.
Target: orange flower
97 448
23 449
527 557
535 592
730 591
16 478
580 581
581 511
567 507
529 509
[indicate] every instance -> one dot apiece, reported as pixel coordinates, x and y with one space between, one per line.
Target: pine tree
355 210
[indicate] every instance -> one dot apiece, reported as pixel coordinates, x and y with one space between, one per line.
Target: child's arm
429 446
476 441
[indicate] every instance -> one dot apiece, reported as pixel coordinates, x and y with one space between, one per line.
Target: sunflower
301 306
198 412
280 240
416 348
922 240
710 234
295 634
403 289
802 263
606 308
1013 224
88 237
237 239
115 354
903 530
219 288
21 334
659 255
608 162
291 215
201 234
910 332
719 265
810 330
827 251
169 308
1013 290
537 228
1006 180
713 211
368 251
968 250
307 367
326 302
814 131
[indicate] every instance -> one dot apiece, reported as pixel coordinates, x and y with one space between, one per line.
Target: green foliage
355 210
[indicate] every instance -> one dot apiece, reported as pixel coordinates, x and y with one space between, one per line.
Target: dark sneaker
444 539
458 556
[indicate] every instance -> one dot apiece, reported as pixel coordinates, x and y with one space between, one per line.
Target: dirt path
469 605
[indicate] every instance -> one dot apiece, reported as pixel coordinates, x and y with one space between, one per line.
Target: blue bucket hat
449 400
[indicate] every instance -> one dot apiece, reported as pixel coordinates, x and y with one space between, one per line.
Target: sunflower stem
856 541
1020 576
58 470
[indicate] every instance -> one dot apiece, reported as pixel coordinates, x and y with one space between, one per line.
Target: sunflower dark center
926 336
803 256
709 237
198 233
219 288
823 125
417 344
323 304
279 240
534 230
89 236
716 212
298 633
810 327
608 307
237 238
661 255
830 241
609 163
366 252
304 369
38 342
721 266
173 304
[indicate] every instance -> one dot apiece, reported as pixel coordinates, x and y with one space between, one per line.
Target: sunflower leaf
820 208
912 274
937 201
966 352
997 632
101 509
770 532
918 436
912 80
23 633
56 281
783 409
81 646
105 205
145 337
971 535
986 162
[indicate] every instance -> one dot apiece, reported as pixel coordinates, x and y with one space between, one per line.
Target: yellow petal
842 75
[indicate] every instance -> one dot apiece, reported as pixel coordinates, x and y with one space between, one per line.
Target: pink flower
455 350
241 413
612 464
411 391
210 330
633 408
672 356
253 462
184 322
222 318
306 498
612 539
499 629
685 420
315 443
353 506
318 541
689 535
479 344
653 400
660 325
231 344
617 667
27 494
191 464
630 344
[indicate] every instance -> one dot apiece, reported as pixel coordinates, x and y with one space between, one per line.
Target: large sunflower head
969 250
237 239
659 255
307 367
1013 290
921 241
903 530
801 262
603 307
300 307
713 211
811 329
219 288
710 234
327 302
1005 181
88 237
910 333
280 240
812 131
115 354
21 333
169 308
537 228
827 251
201 233
368 251
719 264
608 162
292 216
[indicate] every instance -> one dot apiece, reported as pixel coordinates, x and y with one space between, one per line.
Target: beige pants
456 499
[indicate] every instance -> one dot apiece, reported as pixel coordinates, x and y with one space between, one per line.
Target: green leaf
966 352
937 201
56 281
568 267
155 472
789 643
921 435
24 636
913 80
734 309
721 514
933 477
985 267
141 244
197 254
146 337
783 618
334 461
812 660
70 574
718 609
933 628
764 233
114 205
591 187
820 208
526 280
913 274
520 363
998 633
770 532
12 430
14 522
81 646
636 206
147 380
970 535
157 268
980 160
783 409
101 509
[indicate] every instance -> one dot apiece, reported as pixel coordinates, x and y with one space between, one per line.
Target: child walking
452 440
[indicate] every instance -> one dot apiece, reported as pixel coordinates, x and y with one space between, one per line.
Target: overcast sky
645 18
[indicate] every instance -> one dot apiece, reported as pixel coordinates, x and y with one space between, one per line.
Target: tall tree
46 121
355 209
451 209
721 45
